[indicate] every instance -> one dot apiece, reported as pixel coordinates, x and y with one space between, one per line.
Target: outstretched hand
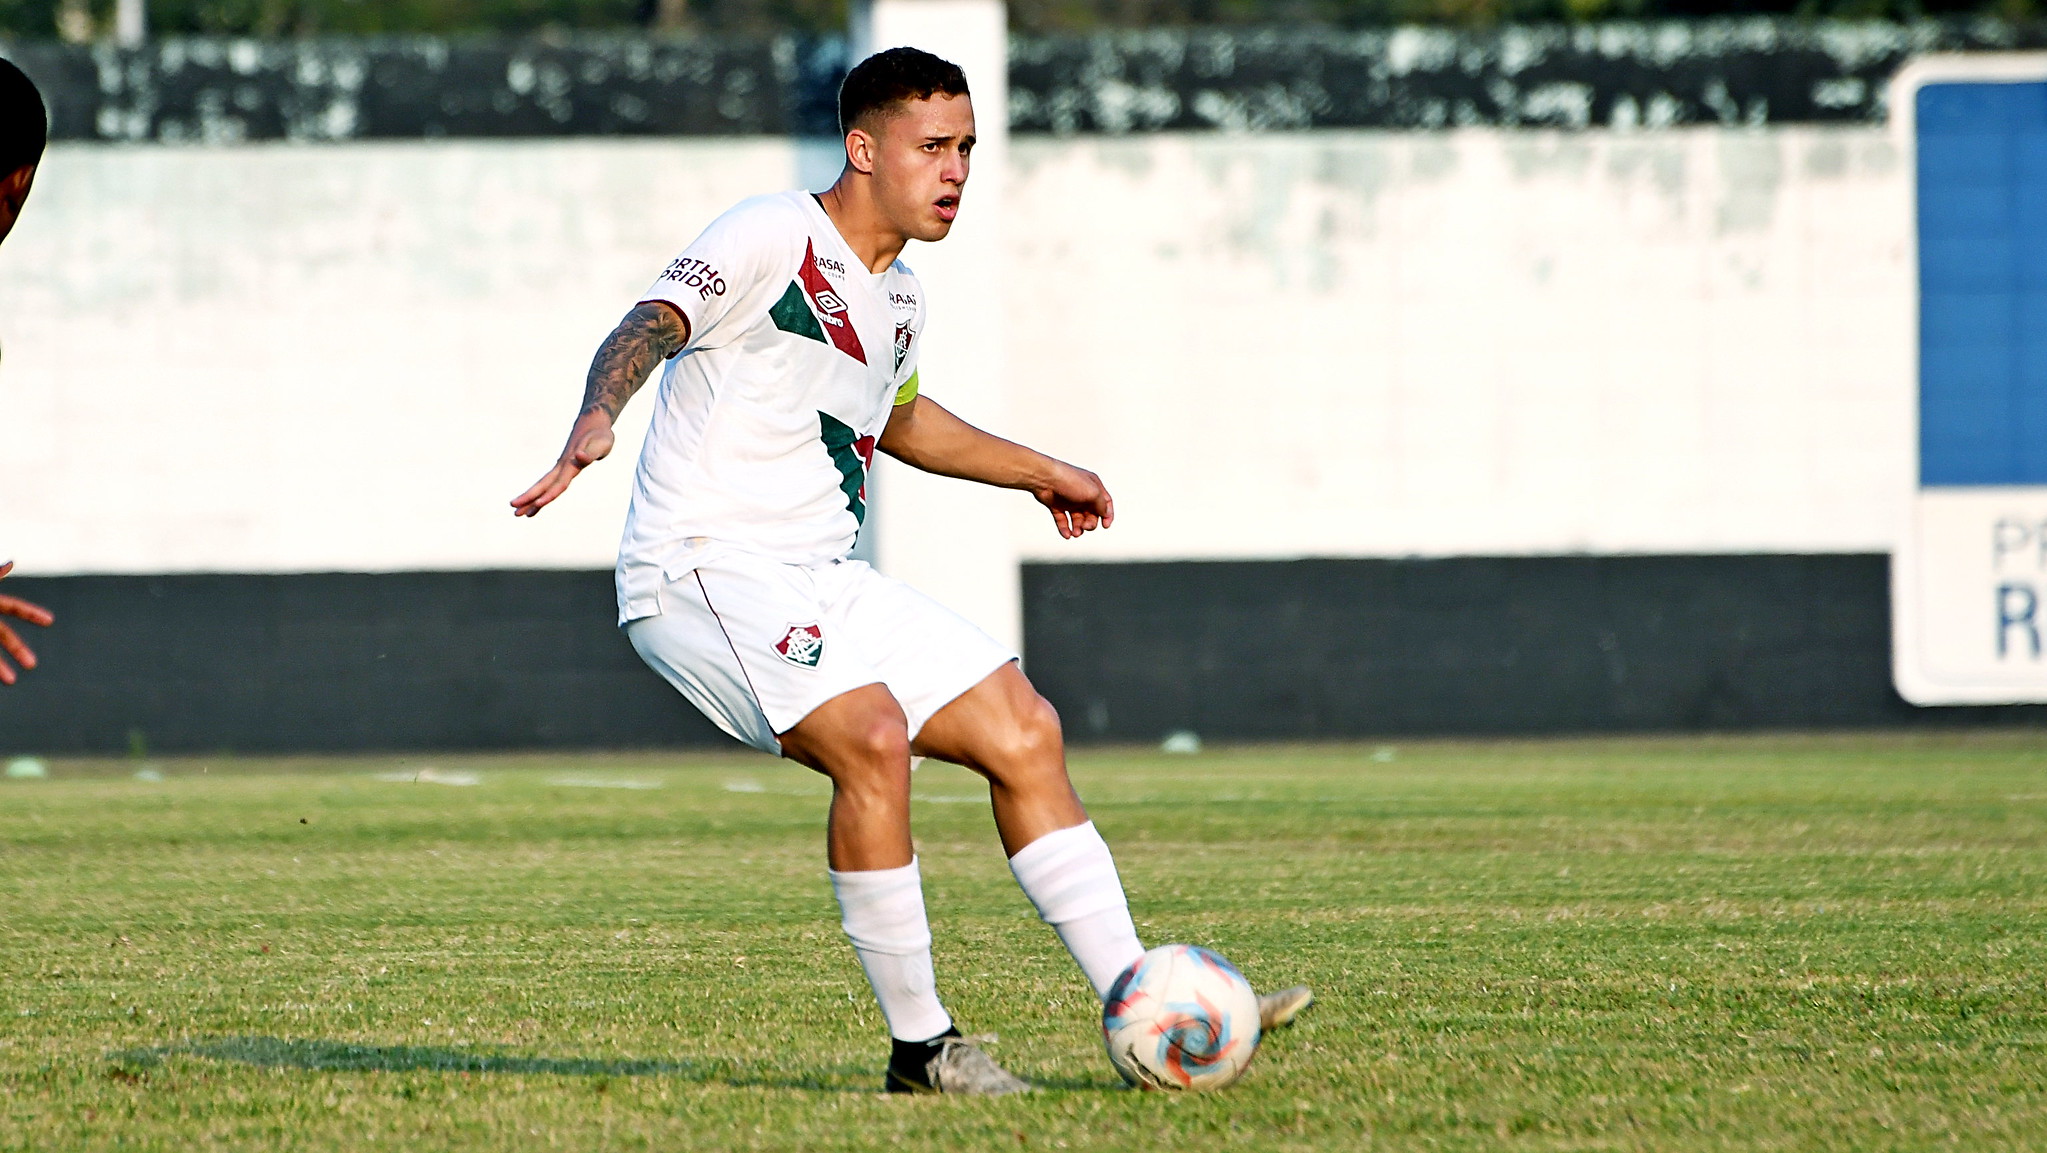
11 643
1078 501
589 442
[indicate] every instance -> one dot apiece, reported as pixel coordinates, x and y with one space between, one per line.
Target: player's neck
861 224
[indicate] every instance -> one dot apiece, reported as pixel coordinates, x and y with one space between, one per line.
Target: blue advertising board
1970 573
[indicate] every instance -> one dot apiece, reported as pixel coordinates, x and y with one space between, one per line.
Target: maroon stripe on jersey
830 306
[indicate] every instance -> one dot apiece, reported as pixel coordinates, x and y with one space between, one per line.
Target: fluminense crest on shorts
802 645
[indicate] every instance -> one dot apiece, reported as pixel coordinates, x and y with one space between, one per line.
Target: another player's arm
651 333
924 435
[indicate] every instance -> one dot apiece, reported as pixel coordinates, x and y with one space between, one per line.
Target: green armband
908 392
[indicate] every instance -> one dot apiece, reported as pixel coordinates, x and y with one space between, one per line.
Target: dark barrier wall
458 660
1342 648
1749 72
1237 650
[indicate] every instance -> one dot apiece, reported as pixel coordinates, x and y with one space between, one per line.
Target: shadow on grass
345 1057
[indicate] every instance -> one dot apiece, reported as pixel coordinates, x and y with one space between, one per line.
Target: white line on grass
431 776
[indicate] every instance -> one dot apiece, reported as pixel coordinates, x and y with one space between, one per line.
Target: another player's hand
9 642
589 442
1078 501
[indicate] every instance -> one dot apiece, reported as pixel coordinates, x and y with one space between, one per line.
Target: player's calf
1003 730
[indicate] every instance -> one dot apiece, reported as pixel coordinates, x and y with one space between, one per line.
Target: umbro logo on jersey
802 645
812 309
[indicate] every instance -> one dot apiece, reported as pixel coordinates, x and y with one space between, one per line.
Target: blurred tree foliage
44 18
81 19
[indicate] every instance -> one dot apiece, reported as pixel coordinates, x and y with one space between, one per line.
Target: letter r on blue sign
2017 606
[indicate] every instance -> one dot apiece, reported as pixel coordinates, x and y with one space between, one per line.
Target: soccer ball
1181 1017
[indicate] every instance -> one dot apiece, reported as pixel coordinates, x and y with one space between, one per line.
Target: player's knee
1033 735
882 743
874 767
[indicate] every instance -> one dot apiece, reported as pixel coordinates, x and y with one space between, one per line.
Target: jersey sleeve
725 281
906 372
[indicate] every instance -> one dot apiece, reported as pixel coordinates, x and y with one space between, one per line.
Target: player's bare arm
924 435
10 642
651 333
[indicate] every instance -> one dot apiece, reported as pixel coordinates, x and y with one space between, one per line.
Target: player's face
921 157
14 190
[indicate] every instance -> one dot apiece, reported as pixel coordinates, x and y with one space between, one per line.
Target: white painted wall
1481 342
279 358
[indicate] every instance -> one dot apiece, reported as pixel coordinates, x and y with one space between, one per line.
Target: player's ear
860 149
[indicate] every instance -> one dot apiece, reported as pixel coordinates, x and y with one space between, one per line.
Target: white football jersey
764 425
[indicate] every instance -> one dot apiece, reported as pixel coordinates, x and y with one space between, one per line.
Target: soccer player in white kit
790 332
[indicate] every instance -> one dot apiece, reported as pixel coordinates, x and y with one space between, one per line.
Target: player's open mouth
947 206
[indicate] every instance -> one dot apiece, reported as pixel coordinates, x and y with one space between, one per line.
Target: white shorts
756 645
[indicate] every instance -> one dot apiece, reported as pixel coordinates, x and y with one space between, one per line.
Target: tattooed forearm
649 334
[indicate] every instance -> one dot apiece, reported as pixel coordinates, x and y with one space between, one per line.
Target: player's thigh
748 643
859 737
928 655
1000 727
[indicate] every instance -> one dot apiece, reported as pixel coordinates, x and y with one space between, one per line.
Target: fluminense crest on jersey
903 334
802 645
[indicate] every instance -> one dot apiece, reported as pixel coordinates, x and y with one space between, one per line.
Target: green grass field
1767 943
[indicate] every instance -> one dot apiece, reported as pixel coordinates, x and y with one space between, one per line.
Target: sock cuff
1058 846
882 910
865 881
1069 874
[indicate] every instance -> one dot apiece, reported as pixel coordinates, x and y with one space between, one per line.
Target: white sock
882 911
1071 878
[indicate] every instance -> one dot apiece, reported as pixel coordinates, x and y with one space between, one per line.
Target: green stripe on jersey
792 314
839 439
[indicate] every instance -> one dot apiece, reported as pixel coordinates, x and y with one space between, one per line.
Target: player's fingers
6 567
545 489
540 500
14 647
533 490
1108 510
33 614
6 674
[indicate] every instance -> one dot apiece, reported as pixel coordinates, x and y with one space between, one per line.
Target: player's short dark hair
899 75
24 124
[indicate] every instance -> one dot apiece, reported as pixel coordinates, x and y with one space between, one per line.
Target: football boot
949 1063
1278 1010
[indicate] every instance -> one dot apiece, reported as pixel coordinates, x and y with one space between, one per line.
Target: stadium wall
1598 423
1245 650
